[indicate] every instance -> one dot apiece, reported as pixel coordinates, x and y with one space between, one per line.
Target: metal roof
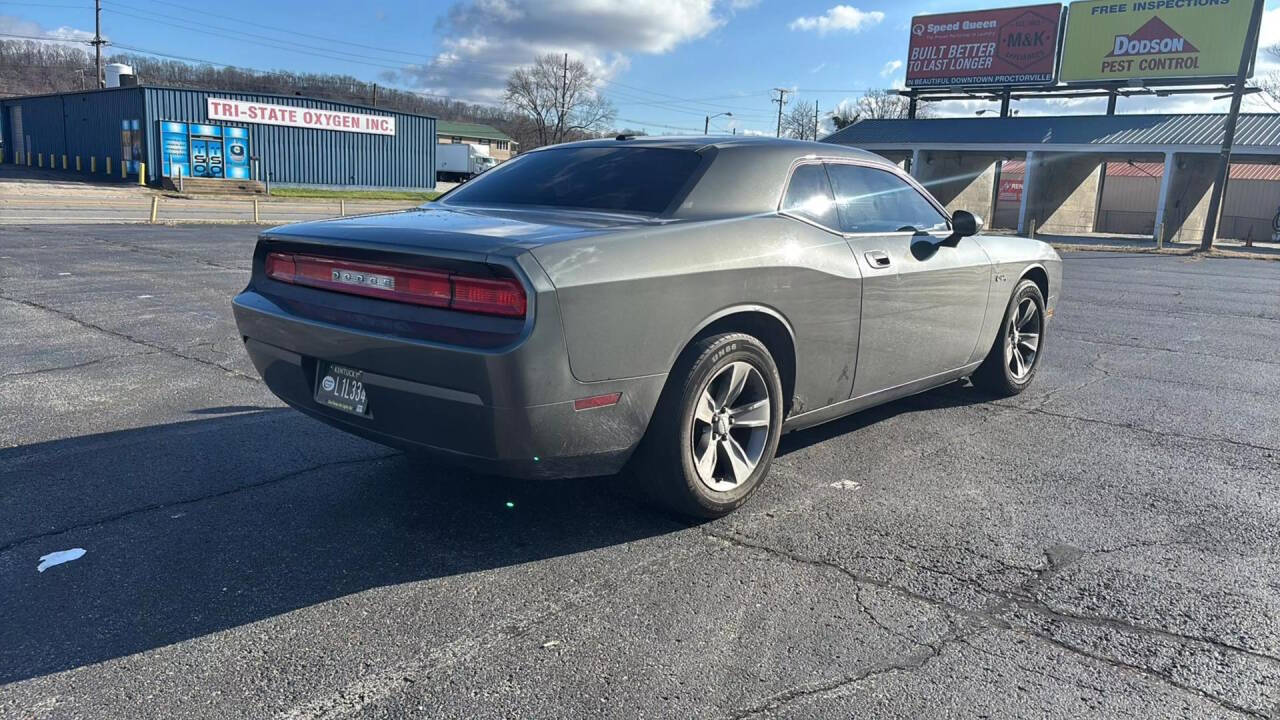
213 91
468 129
1239 171
1255 133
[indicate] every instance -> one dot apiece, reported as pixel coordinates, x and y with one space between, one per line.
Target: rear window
625 179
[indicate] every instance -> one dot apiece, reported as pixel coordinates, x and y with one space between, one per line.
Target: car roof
696 143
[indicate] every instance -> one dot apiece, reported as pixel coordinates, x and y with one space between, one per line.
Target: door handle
877 258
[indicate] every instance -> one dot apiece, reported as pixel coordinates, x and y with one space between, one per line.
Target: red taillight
421 287
492 297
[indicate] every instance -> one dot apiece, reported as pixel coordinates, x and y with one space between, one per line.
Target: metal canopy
1257 134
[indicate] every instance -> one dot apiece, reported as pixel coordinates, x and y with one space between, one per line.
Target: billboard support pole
1111 104
1004 103
1229 128
911 106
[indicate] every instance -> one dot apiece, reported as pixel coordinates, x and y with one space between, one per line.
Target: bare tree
1270 83
883 105
801 121
559 98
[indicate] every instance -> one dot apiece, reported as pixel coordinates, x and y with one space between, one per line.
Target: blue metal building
213 135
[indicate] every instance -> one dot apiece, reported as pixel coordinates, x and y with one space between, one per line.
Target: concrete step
219 186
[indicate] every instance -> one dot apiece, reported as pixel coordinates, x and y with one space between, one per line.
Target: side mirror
965 223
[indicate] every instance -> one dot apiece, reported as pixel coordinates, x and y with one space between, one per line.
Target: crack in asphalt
145 250
128 338
912 662
73 366
1080 337
1139 428
370 689
1057 558
142 509
1172 311
1148 672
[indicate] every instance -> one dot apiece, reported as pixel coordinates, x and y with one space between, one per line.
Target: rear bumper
507 412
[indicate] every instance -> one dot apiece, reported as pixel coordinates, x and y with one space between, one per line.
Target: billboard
1008 46
292 116
1154 39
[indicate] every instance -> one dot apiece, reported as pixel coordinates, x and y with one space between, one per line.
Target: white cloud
890 68
1268 37
482 41
840 17
11 25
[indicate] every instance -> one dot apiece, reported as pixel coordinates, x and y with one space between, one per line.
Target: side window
809 196
873 200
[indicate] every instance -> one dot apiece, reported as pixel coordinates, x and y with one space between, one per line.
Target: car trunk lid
453 230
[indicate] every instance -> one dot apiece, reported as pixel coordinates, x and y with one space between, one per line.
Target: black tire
664 464
998 373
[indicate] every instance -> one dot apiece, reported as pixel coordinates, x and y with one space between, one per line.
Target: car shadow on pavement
196 527
956 394
200 526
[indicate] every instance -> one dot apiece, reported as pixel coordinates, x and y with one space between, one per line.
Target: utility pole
564 100
815 121
1229 127
781 100
97 41
375 96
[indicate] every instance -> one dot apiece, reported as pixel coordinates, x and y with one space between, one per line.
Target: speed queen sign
1009 46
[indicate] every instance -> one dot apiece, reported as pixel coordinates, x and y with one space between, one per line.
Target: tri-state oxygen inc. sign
292 116
1154 39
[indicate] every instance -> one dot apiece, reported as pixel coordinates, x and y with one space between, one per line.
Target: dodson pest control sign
268 114
1009 46
1154 39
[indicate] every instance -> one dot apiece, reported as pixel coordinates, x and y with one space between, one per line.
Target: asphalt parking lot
1103 545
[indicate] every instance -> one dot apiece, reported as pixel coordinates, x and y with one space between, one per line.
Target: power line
241 34
290 31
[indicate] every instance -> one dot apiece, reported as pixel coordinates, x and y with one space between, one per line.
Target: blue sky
665 63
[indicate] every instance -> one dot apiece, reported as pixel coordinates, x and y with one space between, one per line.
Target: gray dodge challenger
664 306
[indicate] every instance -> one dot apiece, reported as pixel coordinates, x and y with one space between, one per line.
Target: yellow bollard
64 161
77 163
155 207
124 170
342 208
142 173
108 164
93 164
255 210
53 161
39 159
28 159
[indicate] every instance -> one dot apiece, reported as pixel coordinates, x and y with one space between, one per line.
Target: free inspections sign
270 114
1154 39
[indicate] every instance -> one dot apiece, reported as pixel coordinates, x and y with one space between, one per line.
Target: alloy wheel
730 426
1022 342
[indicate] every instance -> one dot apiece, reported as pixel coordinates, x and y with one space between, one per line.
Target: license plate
341 388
